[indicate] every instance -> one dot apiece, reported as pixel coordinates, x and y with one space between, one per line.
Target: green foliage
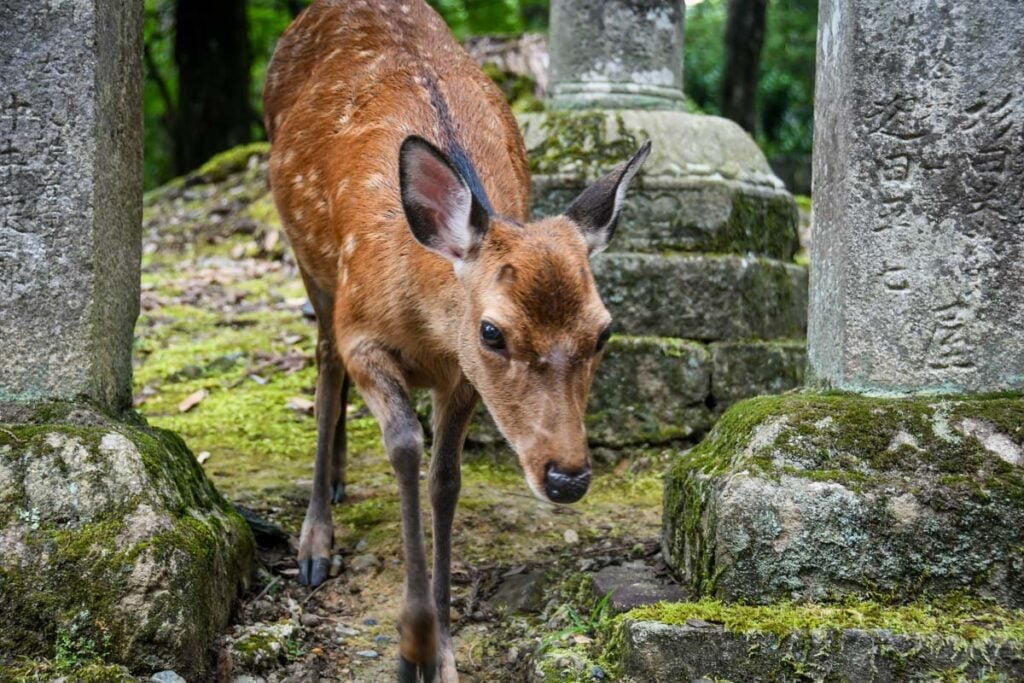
479 17
785 96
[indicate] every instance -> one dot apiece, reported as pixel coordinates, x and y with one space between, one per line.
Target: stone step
701 296
710 215
811 496
657 389
706 186
823 644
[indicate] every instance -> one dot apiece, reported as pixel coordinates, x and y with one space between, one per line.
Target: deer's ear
442 212
596 210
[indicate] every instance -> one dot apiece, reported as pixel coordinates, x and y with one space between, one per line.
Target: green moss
967 622
231 161
584 143
766 225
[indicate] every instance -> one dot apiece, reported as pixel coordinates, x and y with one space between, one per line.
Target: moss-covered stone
703 297
857 642
744 369
109 530
814 496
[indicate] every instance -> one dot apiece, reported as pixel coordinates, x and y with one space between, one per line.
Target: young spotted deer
402 181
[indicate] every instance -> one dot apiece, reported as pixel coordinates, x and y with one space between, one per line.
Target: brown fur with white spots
402 182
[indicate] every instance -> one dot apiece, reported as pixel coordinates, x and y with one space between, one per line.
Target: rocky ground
225 358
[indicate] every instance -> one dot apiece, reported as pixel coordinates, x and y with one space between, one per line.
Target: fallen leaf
203 457
192 400
301 405
623 467
580 639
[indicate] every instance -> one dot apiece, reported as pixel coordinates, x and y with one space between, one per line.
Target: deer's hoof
409 672
338 493
314 571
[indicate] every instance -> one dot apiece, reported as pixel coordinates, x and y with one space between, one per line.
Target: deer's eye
603 339
491 336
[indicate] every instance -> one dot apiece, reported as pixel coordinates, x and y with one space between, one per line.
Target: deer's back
349 81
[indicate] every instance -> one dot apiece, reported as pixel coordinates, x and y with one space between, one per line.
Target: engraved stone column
70 198
918 277
617 54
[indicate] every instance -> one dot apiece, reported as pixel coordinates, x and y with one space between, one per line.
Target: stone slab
632 55
649 389
70 198
634 584
747 369
709 298
655 652
111 532
918 250
693 214
813 497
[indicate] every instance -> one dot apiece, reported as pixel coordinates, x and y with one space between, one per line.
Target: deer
402 182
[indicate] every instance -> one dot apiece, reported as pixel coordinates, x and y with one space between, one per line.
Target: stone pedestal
111 538
708 305
917 286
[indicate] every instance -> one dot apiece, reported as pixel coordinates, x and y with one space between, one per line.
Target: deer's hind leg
317 538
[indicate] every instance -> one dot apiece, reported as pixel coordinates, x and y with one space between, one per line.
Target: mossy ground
221 314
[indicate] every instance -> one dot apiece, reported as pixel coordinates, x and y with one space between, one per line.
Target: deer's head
533 328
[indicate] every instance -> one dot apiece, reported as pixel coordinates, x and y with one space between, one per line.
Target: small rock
248 679
361 545
364 563
571 537
346 631
597 673
368 654
337 564
370 621
520 593
167 677
310 620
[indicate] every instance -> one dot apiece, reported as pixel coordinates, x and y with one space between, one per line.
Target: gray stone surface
520 593
662 653
617 53
70 197
649 389
634 584
111 532
919 183
750 368
702 296
813 497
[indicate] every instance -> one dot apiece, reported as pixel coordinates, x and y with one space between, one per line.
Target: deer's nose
566 487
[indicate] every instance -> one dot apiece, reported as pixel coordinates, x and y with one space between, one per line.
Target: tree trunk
211 50
744 36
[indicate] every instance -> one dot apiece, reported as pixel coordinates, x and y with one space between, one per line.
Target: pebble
597 673
368 654
309 619
346 630
337 564
571 537
362 545
369 621
364 563
383 639
167 677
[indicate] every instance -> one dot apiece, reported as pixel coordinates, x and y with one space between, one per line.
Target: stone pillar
918 289
617 54
708 303
918 278
109 531
70 198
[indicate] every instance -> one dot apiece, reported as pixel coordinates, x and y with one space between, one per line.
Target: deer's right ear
442 212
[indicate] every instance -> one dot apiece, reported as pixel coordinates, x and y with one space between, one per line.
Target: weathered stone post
109 531
709 306
910 486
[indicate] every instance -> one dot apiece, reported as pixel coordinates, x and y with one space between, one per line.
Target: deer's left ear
596 210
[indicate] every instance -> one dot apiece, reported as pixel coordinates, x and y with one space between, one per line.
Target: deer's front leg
452 412
383 387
